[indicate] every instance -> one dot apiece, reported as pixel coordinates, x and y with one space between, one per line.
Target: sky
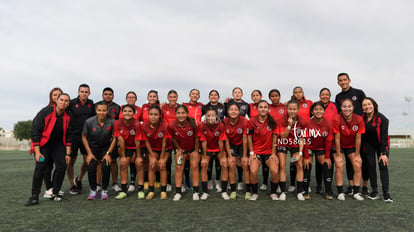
162 45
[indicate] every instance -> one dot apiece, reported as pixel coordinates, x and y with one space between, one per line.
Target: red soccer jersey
330 112
195 111
236 131
168 113
155 135
137 115
304 108
298 131
348 129
129 132
262 136
213 134
320 136
253 110
185 135
277 111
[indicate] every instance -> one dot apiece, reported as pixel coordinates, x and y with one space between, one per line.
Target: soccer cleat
218 186
196 196
240 186
177 197
225 196
163 196
373 195
341 197
146 185
116 188
92 195
141 195
387 198
358 197
104 195
263 187
169 188
131 188
210 185
121 195
282 197
33 200
204 196
300 196
57 197
365 192
74 190
306 196
233 195
98 188
254 197
328 196
274 197
247 196
48 193
278 190
350 191
150 196
157 185
291 189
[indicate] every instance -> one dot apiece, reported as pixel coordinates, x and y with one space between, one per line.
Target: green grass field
215 214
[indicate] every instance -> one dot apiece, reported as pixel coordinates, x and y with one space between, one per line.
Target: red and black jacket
380 122
43 124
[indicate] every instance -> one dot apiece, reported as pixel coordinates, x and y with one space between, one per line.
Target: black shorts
210 154
129 152
316 152
236 150
263 158
99 153
285 150
115 153
144 153
348 151
77 145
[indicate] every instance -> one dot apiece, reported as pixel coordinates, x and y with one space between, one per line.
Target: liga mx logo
355 128
190 133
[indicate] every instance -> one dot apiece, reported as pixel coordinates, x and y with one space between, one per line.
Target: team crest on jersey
113 110
132 132
160 135
77 106
268 128
89 106
220 110
281 111
94 129
354 98
355 128
190 133
239 130
305 105
108 128
243 107
217 134
324 134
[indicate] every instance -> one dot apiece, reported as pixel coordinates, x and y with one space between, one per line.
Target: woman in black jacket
375 142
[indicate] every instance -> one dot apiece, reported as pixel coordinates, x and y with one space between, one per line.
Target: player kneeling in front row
98 140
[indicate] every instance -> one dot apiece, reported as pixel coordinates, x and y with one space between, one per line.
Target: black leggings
54 154
369 168
106 171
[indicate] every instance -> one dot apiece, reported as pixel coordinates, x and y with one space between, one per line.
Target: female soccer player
293 140
320 136
277 109
348 128
51 140
99 142
236 131
263 133
155 135
194 106
152 98
214 96
127 130
186 138
375 141
256 97
212 141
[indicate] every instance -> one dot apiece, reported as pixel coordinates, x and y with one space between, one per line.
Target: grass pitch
215 214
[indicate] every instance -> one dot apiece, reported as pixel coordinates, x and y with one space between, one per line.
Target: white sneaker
263 187
278 189
196 197
240 186
116 188
282 197
177 197
225 196
358 197
183 189
131 188
48 193
341 197
291 189
169 188
218 186
210 185
204 196
61 193
254 197
300 197
274 197
98 188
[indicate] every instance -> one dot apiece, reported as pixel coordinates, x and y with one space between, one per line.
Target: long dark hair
189 119
156 93
270 120
375 104
50 95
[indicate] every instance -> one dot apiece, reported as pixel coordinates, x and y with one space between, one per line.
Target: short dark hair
343 74
83 85
108 89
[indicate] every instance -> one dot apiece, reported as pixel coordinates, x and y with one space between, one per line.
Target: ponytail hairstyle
156 93
270 120
189 119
